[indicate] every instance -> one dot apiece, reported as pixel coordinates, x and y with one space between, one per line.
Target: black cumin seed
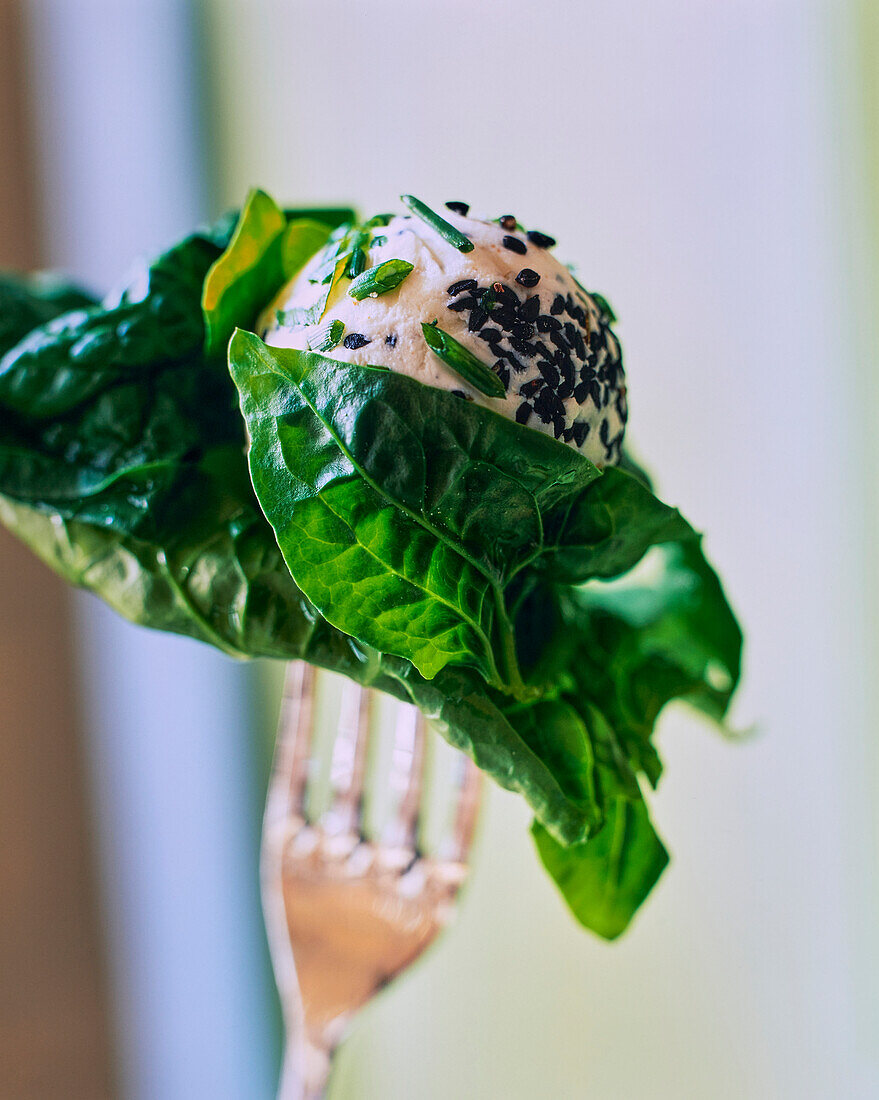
558 426
505 295
355 340
477 319
602 433
527 277
463 303
558 304
529 389
505 318
550 374
560 342
515 245
523 413
391 340
490 335
570 332
542 240
512 360
579 345
547 323
523 330
462 285
568 434
503 372
565 389
580 431
530 308
526 349
581 392
461 208
548 406
507 221
594 340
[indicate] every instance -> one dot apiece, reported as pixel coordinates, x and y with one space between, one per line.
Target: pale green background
704 163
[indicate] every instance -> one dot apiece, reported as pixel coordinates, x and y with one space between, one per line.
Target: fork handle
306 1071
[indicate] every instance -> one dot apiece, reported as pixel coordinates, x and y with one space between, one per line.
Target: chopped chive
380 279
326 336
378 220
377 242
602 303
444 228
463 362
356 263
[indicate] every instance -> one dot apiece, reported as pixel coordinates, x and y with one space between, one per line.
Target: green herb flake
377 242
445 229
379 280
326 336
462 361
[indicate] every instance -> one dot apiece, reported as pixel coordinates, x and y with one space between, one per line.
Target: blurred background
713 167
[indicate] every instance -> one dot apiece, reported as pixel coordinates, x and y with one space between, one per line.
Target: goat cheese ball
507 301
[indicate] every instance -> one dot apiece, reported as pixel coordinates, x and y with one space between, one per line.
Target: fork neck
306 1070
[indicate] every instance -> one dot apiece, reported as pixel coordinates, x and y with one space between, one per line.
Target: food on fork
435 499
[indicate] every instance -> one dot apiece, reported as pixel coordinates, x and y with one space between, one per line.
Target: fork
345 914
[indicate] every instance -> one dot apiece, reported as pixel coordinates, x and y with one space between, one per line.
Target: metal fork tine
348 764
407 775
455 847
295 729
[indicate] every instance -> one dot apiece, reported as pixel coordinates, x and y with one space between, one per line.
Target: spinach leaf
437 548
268 247
604 880
29 301
78 354
399 513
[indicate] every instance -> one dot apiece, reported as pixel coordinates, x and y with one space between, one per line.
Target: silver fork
346 914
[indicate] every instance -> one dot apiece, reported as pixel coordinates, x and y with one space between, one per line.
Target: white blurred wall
700 161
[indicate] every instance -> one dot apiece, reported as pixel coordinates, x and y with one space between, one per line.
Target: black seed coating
581 392
558 304
463 303
523 413
529 389
568 434
512 360
542 240
507 221
580 430
594 340
462 285
570 333
530 308
558 426
391 340
461 208
490 335
602 432
515 245
547 323
477 319
565 389
523 330
355 340
527 277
